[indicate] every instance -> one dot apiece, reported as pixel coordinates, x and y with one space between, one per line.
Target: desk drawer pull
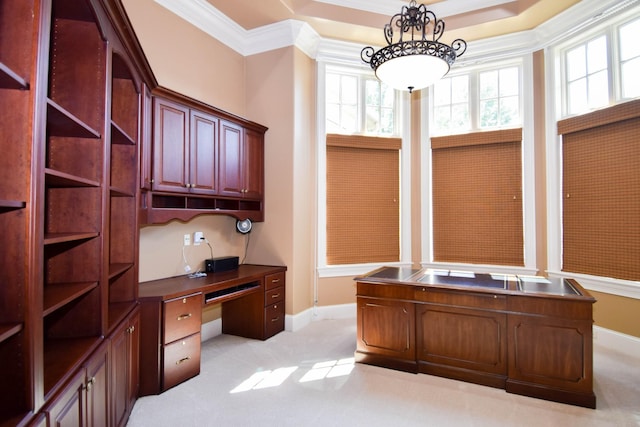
275 319
184 359
275 280
275 296
184 316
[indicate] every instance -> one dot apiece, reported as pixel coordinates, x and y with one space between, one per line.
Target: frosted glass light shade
412 72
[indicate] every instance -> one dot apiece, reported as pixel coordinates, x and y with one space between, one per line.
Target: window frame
525 64
402 118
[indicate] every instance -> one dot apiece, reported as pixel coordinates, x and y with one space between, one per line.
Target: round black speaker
244 226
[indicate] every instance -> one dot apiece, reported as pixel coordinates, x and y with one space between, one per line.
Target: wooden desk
252 299
526 335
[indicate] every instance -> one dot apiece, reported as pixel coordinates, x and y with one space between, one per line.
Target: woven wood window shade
363 199
477 198
601 192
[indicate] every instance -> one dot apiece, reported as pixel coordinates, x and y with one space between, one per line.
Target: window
499 98
359 104
361 197
477 198
601 202
630 59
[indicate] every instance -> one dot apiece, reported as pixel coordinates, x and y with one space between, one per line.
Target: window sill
355 269
623 288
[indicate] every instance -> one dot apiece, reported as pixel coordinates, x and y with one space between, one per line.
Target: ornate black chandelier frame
425 30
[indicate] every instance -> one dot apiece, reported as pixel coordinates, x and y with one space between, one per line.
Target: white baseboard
211 329
292 322
617 341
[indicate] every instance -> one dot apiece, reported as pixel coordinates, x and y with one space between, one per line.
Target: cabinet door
386 328
463 343
68 410
97 389
203 178
170 146
124 368
230 160
253 164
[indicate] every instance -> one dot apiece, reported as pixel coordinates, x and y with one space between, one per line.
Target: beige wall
277 89
187 60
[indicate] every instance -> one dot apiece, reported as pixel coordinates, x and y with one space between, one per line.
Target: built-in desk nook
527 335
252 298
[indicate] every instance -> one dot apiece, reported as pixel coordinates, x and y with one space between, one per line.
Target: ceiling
361 21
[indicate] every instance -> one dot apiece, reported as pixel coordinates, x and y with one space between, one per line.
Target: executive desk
252 299
527 335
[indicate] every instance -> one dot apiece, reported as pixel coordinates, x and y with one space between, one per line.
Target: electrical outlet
198 237
187 240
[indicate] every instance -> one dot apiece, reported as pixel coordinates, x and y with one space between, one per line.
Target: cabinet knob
152 181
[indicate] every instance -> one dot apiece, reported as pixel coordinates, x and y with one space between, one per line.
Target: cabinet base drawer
181 361
273 319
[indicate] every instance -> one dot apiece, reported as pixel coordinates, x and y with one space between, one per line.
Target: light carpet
307 378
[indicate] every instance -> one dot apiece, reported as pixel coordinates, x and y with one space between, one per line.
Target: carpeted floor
308 378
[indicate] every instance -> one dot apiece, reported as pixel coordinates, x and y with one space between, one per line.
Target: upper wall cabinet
202 161
184 149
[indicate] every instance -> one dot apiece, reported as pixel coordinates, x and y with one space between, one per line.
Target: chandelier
414 58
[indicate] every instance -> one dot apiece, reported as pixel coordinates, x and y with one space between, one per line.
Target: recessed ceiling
361 21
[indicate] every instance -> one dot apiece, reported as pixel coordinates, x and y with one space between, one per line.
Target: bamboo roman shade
363 199
477 198
601 192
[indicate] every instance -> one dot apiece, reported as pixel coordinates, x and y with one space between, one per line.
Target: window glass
499 97
587 76
451 105
630 59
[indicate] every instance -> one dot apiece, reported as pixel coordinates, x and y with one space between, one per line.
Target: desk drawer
273 296
181 360
273 319
273 280
182 317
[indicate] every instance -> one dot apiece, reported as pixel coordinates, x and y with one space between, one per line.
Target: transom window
601 69
479 100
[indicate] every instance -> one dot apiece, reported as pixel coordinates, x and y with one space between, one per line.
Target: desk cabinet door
452 341
386 328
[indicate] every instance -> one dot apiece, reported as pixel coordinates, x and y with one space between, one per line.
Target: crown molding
207 18
296 33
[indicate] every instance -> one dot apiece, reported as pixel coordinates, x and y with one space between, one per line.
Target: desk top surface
483 282
172 287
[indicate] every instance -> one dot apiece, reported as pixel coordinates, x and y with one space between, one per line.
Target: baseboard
622 343
298 321
211 329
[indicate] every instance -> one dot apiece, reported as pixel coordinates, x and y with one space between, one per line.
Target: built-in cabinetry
252 299
531 336
201 160
18 37
70 81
